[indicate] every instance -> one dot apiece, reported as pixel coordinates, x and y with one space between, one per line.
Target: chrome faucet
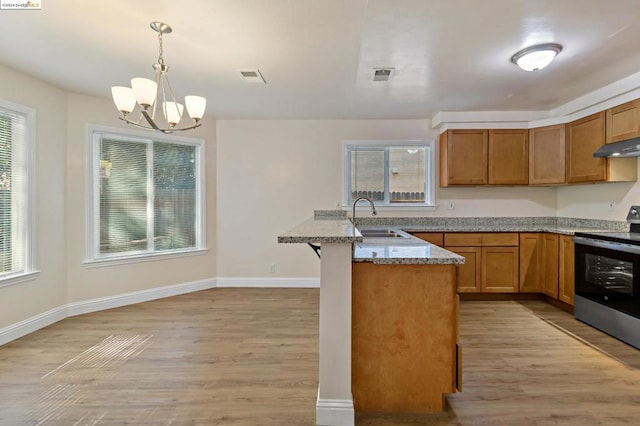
353 214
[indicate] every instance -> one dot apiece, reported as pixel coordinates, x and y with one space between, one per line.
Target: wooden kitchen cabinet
435 238
491 261
623 121
566 274
463 157
547 155
469 274
508 157
500 269
583 138
550 264
531 263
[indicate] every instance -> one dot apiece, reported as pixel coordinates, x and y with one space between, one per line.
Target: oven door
608 273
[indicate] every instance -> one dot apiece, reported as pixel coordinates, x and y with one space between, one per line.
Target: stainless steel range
607 280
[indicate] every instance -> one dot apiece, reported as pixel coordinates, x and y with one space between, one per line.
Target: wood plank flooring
249 357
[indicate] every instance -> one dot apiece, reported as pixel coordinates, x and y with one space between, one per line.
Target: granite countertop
322 230
409 251
327 227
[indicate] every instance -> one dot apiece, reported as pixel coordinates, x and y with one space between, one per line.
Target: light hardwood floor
249 357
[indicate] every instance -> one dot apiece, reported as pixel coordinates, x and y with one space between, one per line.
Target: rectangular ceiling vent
253 76
383 74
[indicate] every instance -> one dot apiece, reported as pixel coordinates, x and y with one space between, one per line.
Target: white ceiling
317 55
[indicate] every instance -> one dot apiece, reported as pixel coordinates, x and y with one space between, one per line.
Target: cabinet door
550 264
566 285
584 136
435 238
463 157
499 269
508 157
546 155
623 121
468 275
531 263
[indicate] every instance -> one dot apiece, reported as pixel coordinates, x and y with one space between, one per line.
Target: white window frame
93 256
430 187
24 158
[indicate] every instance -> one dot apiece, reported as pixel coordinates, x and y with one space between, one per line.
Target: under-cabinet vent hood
628 148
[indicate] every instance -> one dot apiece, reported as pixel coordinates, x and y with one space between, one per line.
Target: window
16 193
147 196
389 173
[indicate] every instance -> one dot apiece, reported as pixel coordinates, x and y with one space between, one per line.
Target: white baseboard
335 412
269 282
109 302
29 325
22 328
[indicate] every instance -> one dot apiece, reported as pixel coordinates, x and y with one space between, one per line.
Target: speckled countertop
407 250
322 230
333 227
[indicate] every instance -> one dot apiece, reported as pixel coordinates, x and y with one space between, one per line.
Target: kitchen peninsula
388 321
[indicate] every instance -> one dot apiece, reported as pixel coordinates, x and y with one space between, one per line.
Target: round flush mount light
536 57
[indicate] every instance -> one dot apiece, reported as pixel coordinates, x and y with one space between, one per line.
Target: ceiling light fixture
536 57
144 92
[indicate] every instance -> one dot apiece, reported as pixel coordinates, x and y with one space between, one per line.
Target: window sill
18 278
146 257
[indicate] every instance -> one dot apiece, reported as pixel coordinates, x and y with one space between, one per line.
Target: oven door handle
609 245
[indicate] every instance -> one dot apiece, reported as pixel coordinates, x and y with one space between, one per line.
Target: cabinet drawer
502 239
435 238
463 239
489 239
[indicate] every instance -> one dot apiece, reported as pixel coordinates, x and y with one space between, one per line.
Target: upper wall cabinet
547 155
583 137
623 122
508 157
463 157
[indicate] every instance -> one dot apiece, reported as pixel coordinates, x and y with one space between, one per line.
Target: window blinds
13 192
148 198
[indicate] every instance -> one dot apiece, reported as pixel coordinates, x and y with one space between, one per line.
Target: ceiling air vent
383 74
253 76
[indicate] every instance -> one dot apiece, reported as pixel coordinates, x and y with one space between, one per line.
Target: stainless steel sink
380 233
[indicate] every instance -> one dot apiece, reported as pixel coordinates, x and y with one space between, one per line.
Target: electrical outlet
451 205
272 268
612 206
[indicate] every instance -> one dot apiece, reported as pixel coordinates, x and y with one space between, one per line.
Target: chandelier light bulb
124 98
195 106
172 112
145 91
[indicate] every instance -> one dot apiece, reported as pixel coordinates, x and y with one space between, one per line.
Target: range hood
628 148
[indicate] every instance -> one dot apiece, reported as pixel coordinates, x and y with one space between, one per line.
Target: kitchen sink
381 233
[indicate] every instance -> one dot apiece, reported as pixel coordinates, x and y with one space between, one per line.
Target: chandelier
148 94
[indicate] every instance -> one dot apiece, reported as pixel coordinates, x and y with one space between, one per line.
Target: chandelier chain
160 52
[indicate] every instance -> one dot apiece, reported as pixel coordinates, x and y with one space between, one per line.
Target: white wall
272 174
86 283
61 179
48 290
592 201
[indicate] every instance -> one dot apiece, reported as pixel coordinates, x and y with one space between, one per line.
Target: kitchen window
147 196
389 173
16 193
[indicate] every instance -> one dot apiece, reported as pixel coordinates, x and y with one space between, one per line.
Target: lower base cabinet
404 345
566 285
551 264
531 262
